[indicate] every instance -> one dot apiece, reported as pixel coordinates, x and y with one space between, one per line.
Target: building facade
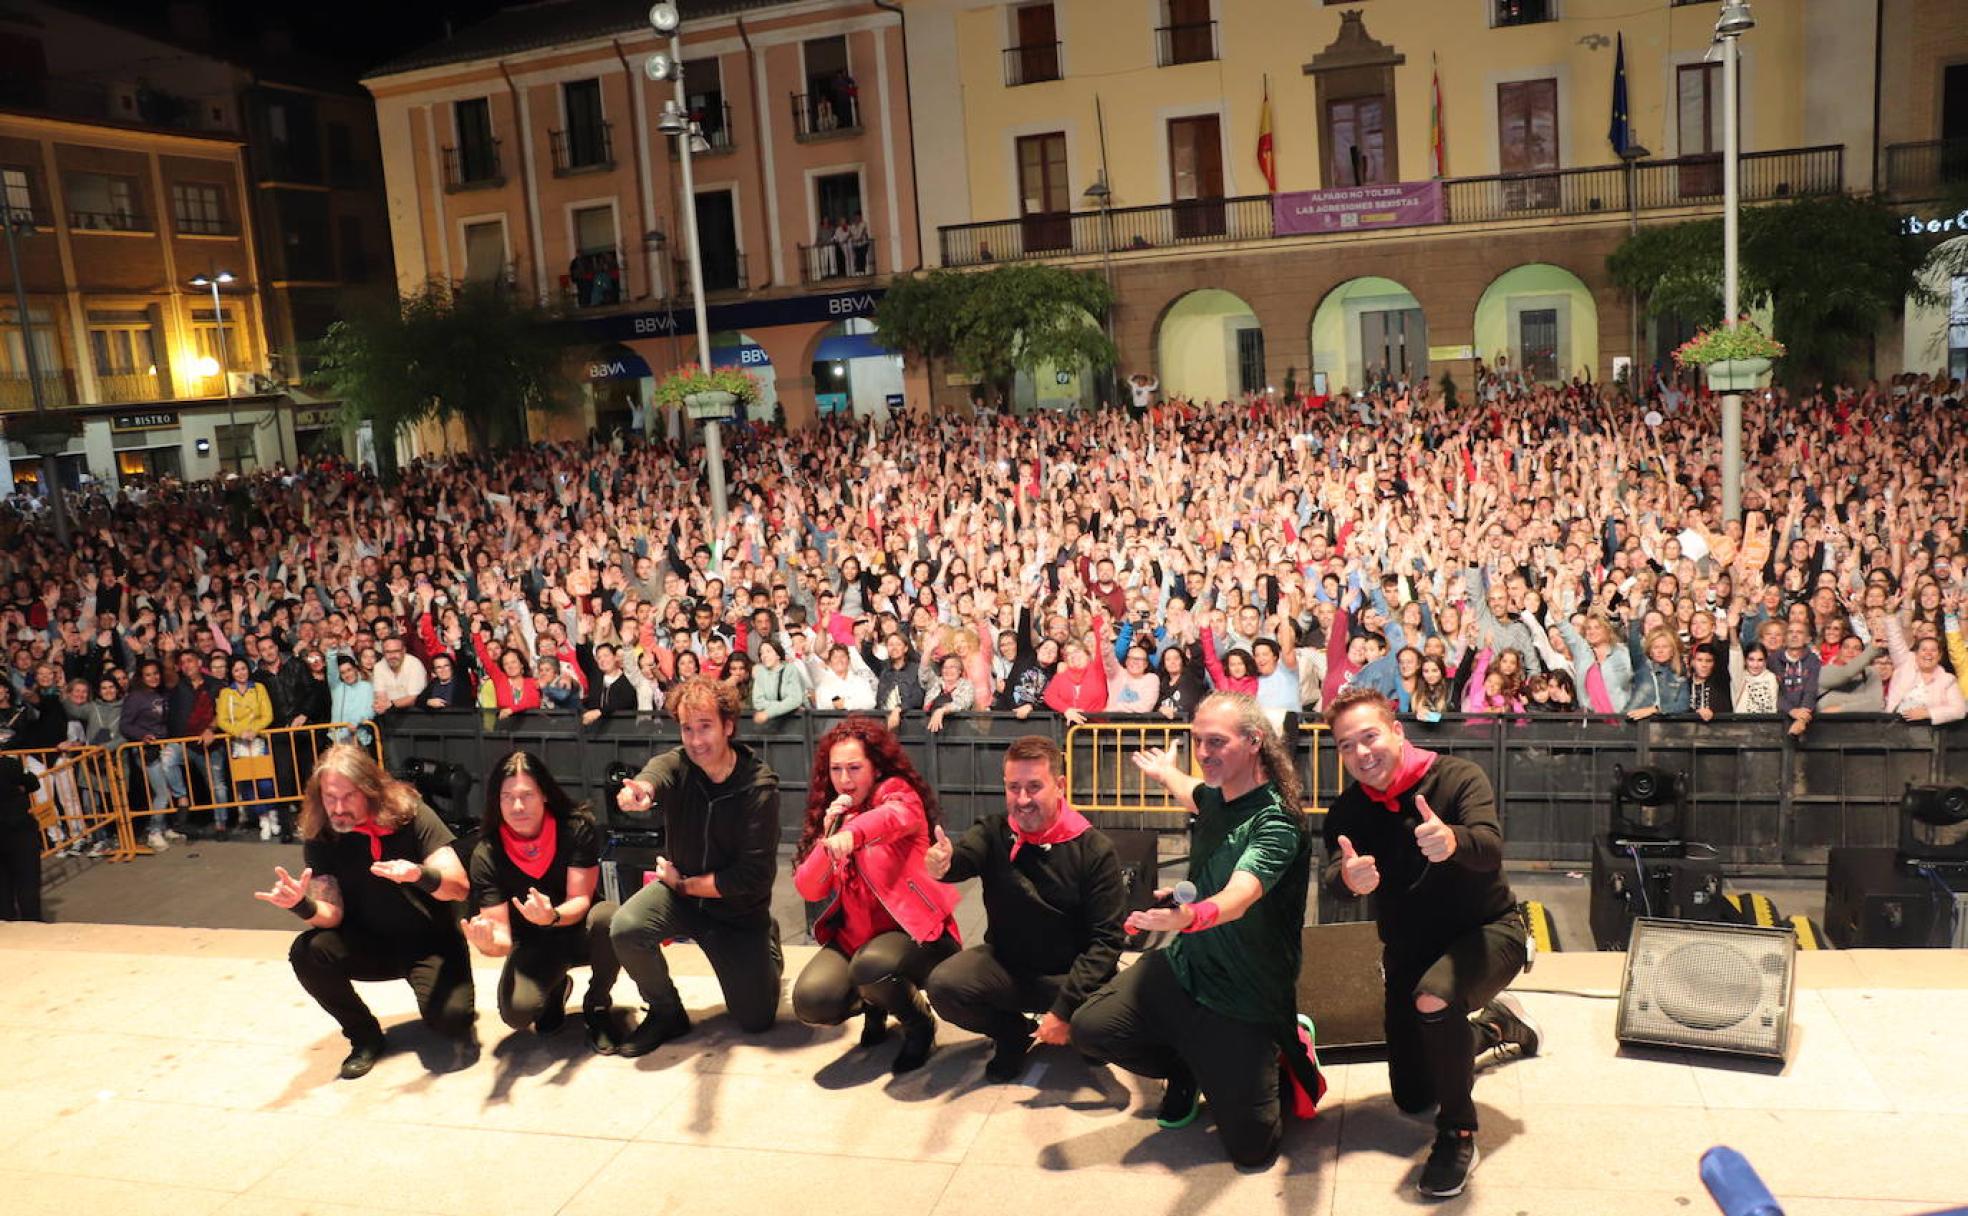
1923 166
525 152
1446 184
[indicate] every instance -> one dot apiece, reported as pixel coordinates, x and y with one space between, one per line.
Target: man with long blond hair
719 803
379 871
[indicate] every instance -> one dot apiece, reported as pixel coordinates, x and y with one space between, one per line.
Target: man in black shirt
1420 831
720 809
379 872
1055 899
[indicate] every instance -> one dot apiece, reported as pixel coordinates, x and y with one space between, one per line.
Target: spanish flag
1267 157
1436 155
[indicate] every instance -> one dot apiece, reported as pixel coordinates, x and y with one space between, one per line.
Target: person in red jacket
870 817
1079 687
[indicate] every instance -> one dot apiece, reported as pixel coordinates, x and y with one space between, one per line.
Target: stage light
1934 823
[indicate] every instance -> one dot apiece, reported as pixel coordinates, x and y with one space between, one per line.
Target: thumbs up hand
1436 839
1360 874
937 860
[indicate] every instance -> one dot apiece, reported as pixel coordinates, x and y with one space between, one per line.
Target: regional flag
1267 157
1436 154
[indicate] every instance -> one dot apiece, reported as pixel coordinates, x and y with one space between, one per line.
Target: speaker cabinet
1873 901
1717 988
1340 984
1672 888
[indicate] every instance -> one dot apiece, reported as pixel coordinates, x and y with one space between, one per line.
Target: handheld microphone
1181 893
1733 1184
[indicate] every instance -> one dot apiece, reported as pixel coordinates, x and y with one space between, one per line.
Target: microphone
1733 1184
1181 893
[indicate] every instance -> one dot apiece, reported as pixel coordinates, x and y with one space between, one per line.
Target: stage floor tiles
154 1070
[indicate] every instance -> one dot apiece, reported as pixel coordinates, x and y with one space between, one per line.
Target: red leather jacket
890 838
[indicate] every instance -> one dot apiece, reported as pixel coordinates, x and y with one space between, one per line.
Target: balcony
593 280
109 221
193 225
587 149
825 116
832 262
1034 63
724 270
17 390
1925 170
1194 42
1523 12
473 168
116 388
716 127
1691 182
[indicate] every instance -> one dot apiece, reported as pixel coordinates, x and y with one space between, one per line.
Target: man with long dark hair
533 880
1209 1013
720 807
379 873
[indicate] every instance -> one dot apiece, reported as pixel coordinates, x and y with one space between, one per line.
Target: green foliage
691 379
1830 269
1741 341
994 323
474 352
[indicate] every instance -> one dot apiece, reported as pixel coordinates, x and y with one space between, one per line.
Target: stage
160 1070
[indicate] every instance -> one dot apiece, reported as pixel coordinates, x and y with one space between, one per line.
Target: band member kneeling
1420 832
533 880
1213 1009
889 922
379 873
1055 898
720 808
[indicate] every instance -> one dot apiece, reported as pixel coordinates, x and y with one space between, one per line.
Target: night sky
358 34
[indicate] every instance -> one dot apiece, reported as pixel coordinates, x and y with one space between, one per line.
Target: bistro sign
155 420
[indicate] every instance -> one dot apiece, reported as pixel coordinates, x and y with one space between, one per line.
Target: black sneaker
1450 1163
361 1058
918 1041
1507 1029
600 1020
1180 1101
1008 1061
555 1014
656 1029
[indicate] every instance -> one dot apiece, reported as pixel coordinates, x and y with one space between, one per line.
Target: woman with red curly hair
869 820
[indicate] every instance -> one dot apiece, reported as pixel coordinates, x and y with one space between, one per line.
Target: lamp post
225 381
50 469
1101 195
1733 23
1633 154
676 124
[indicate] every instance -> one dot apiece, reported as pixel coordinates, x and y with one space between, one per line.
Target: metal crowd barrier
79 800
1760 797
214 779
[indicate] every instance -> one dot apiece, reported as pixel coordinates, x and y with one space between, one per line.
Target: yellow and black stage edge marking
1544 930
1809 935
1754 909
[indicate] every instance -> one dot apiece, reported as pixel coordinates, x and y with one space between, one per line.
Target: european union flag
1620 133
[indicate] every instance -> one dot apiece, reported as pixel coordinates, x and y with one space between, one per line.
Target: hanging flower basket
1733 358
706 394
1737 375
43 433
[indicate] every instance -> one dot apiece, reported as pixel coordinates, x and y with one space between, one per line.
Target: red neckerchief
1414 765
531 856
375 832
1068 826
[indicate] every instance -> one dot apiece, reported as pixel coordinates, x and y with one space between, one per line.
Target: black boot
874 1027
656 1029
918 1037
555 1013
362 1057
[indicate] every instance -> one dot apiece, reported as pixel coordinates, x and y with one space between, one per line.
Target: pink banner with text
1386 205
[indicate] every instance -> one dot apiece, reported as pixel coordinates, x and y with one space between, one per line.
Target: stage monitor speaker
1718 988
1934 823
1340 984
1874 900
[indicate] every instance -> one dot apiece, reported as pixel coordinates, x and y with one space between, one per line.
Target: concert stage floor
159 1070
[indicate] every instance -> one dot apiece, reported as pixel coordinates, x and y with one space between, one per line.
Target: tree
473 352
1830 269
995 323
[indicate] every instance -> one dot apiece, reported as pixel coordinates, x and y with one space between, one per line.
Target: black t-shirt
496 880
394 911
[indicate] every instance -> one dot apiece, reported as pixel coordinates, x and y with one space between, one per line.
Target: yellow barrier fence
1101 776
80 800
231 772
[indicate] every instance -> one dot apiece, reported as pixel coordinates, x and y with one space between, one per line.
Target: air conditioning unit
242 384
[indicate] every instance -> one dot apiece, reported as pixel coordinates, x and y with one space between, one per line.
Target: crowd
1520 549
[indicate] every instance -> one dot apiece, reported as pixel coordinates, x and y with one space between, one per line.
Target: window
594 274
832 101
355 252
837 204
1537 346
1698 128
594 229
1044 193
1035 56
120 342
232 444
703 83
585 143
1189 35
102 203
17 194
199 209
341 153
1356 132
1250 361
227 348
1196 175
485 252
1527 141
477 153
13 352
292 149
717 238
1524 12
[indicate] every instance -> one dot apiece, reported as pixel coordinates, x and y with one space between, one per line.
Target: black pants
539 962
887 973
1146 1022
977 992
1431 1058
20 872
747 961
327 961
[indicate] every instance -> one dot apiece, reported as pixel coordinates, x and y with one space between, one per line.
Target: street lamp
1632 154
1733 23
23 220
218 316
1101 195
675 123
